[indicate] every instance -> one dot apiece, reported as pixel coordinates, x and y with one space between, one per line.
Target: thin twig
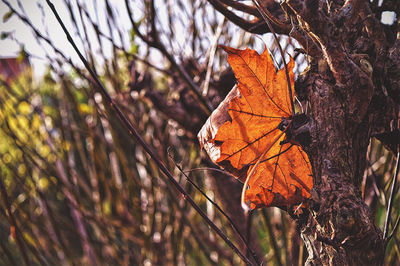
156 43
396 225
132 131
272 238
241 7
211 57
253 26
265 16
249 222
391 198
121 48
212 169
235 228
301 252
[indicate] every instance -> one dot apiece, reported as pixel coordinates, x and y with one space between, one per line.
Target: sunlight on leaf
250 135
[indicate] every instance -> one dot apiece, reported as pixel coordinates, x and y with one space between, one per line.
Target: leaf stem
244 205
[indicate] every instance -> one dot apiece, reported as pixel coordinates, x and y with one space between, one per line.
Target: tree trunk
351 97
352 89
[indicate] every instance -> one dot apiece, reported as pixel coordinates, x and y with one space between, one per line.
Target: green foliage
4 35
7 16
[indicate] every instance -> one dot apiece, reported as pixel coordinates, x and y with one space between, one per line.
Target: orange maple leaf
278 173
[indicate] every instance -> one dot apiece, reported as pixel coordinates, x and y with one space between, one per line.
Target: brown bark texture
353 95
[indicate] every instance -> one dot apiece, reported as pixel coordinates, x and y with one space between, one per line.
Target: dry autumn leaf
246 134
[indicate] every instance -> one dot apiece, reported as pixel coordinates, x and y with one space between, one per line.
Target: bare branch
391 197
149 151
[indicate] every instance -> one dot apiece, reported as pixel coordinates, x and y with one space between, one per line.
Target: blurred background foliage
75 187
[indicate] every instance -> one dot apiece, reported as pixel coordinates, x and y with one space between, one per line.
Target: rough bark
347 87
352 86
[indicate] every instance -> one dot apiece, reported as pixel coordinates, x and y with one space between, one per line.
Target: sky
45 21
23 34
